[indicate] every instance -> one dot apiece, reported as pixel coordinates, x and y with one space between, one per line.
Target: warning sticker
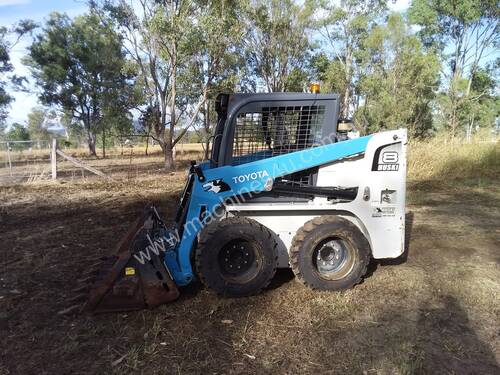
129 271
383 211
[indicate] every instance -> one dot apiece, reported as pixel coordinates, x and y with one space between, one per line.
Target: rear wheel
329 253
236 257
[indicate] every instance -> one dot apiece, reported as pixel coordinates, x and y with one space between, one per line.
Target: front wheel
236 257
329 253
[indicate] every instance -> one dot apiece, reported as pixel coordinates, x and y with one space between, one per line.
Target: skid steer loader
285 187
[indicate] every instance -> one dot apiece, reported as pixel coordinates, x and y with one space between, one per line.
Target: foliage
184 51
3 128
17 31
482 107
277 44
74 130
399 82
468 28
5 66
445 21
38 122
345 26
216 65
18 132
78 65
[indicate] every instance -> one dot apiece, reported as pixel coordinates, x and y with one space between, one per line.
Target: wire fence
24 161
30 161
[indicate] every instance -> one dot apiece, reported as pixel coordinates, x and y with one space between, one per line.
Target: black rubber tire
216 236
316 232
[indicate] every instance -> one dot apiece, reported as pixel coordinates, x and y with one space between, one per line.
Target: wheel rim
239 261
334 258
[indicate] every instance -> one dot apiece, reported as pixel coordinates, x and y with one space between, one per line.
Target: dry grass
437 160
138 150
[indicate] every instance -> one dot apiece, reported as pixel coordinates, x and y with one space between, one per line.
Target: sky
12 11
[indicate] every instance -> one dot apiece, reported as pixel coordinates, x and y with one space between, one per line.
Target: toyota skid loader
285 187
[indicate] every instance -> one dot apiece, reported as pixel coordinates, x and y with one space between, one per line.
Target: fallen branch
80 164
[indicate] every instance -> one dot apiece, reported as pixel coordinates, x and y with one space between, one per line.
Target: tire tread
301 235
208 232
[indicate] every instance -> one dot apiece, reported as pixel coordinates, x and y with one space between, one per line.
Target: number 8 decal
390 157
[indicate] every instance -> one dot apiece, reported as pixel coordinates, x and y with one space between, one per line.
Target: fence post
53 158
8 158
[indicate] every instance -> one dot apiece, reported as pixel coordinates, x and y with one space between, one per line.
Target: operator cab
252 127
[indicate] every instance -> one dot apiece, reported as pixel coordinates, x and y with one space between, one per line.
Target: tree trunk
91 143
103 143
345 103
453 118
169 136
169 157
470 127
348 82
206 125
91 137
207 148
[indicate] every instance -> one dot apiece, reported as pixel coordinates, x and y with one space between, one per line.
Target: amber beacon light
315 88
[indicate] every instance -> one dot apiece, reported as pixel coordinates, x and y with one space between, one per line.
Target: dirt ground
436 311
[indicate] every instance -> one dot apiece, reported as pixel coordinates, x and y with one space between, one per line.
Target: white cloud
398 5
4 3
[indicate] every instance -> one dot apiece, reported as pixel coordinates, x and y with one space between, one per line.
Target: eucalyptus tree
400 80
482 110
38 123
466 33
344 25
184 51
153 74
78 66
5 67
278 43
9 38
18 132
217 64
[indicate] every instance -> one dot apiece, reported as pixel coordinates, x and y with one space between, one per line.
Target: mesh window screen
275 131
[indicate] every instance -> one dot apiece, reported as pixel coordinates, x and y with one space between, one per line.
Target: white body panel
380 215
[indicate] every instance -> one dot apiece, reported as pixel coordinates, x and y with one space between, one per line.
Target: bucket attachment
124 283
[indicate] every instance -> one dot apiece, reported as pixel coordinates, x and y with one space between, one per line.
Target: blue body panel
233 181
